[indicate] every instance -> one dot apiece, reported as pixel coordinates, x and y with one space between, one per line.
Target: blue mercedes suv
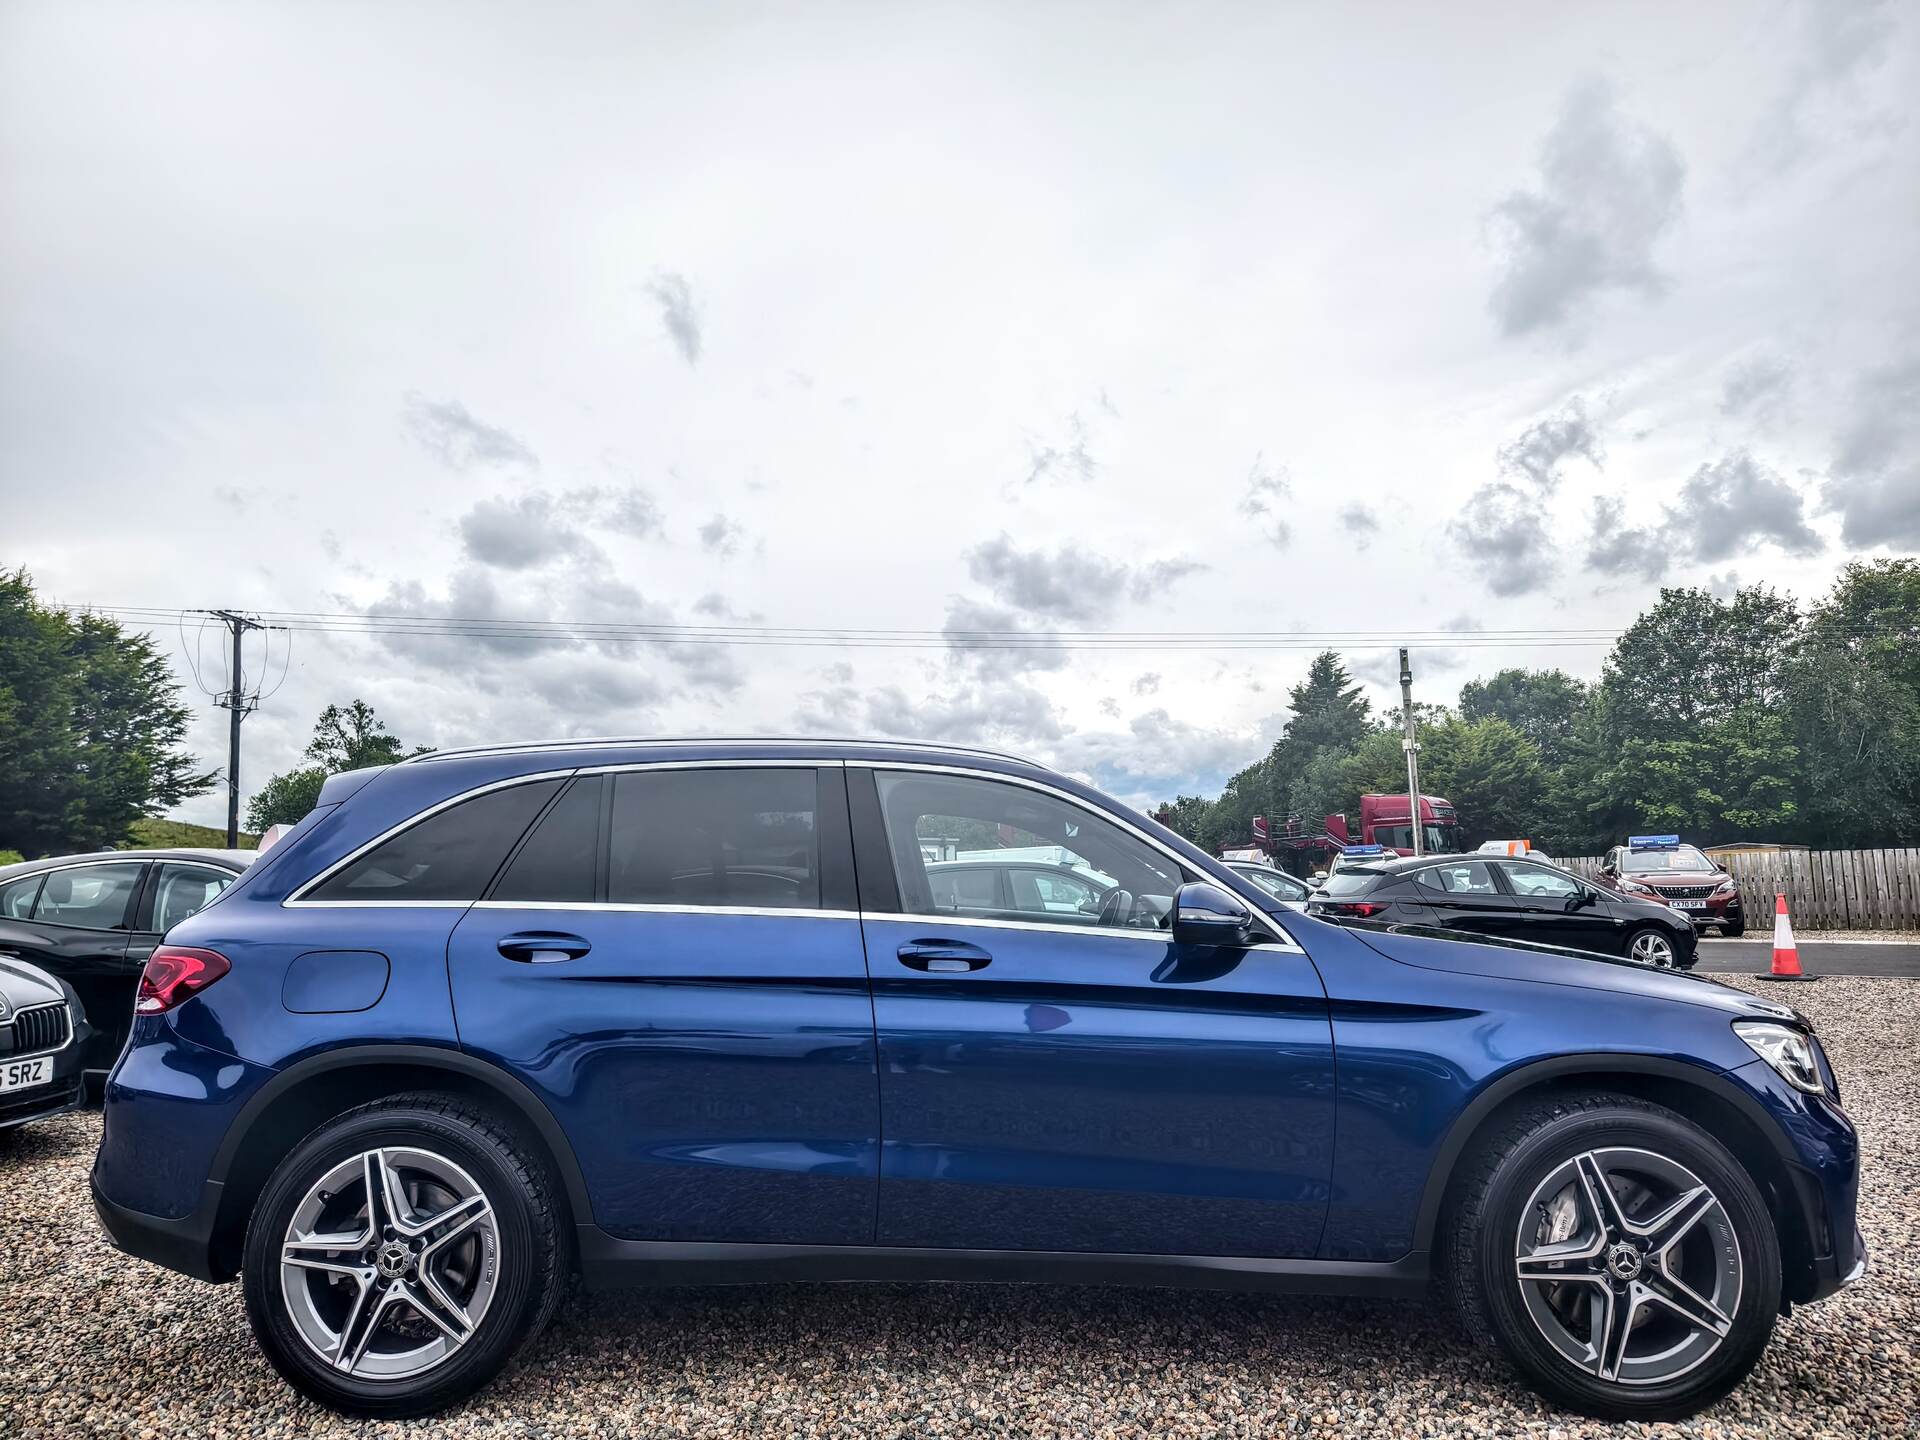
688 1011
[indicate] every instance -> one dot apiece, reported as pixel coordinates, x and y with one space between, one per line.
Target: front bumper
42 1101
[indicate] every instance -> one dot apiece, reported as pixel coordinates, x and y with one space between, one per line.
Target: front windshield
1279 886
1685 858
1437 839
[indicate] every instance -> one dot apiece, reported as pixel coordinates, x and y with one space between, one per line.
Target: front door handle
542 947
943 956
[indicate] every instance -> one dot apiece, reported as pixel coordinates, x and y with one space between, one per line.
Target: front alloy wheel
1628 1265
1619 1254
1650 947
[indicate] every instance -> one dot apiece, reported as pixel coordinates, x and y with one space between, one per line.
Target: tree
343 739
1543 705
1855 705
1329 712
286 798
91 726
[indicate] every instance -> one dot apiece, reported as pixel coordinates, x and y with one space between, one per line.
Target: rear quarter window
451 855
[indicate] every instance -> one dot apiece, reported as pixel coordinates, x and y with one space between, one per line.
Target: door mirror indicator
1205 914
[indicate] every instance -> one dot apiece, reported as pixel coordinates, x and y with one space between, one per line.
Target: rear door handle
542 947
943 956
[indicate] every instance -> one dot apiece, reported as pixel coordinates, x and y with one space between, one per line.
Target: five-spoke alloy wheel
1650 947
400 1255
1618 1253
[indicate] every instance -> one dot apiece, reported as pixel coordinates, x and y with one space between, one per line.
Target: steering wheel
1116 908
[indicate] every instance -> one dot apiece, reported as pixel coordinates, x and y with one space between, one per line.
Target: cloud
1608 192
677 314
1147 684
721 535
1543 446
1503 531
1736 502
1067 459
1269 491
1723 510
1839 42
1361 522
1874 481
1616 548
1069 585
460 442
1757 388
628 510
518 534
986 639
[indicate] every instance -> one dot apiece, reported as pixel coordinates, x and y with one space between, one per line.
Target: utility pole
238 704
1411 745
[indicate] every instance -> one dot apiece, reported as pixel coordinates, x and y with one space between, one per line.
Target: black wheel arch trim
525 1104
1598 1064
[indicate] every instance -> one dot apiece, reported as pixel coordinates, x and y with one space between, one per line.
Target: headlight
1787 1050
1634 887
1727 887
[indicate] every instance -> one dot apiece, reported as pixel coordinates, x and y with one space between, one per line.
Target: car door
672 960
77 928
1078 1082
1463 895
175 890
1557 909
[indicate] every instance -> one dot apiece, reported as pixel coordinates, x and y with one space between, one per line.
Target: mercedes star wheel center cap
1623 1262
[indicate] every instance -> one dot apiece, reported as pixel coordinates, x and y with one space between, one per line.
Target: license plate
19 1074
1688 904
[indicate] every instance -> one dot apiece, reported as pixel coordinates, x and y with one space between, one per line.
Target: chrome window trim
1279 935
1092 932
297 898
634 907
376 904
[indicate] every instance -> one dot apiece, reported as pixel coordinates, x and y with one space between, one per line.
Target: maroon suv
1682 876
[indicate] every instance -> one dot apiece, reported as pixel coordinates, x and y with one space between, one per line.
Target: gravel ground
98 1344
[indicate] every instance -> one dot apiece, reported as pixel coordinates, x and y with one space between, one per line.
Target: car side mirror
1205 914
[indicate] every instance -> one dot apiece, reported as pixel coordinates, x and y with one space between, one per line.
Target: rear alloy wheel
1652 947
401 1255
1618 1254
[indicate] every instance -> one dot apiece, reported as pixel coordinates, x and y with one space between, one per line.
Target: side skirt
609 1263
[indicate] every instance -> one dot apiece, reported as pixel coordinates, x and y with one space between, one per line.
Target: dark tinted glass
16 897
448 856
715 837
1351 882
1469 877
556 865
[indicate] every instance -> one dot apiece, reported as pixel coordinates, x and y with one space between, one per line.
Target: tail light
1358 909
174 975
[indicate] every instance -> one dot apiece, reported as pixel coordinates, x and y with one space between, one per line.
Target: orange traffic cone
1786 955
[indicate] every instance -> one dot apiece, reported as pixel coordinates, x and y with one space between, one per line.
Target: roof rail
599 742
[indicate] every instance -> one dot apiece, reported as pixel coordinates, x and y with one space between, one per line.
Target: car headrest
59 887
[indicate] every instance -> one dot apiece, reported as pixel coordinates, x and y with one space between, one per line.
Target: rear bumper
184 1244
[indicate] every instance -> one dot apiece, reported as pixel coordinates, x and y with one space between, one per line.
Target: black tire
1495 1186
525 1266
1734 930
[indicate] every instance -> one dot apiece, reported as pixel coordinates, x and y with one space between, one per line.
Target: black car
42 1034
1482 895
92 921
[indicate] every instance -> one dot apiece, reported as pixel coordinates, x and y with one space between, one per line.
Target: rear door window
559 864
90 897
1468 877
451 855
725 837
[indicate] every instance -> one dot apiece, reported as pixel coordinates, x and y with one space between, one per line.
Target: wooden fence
1825 889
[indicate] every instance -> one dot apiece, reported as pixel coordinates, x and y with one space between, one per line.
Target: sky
947 320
